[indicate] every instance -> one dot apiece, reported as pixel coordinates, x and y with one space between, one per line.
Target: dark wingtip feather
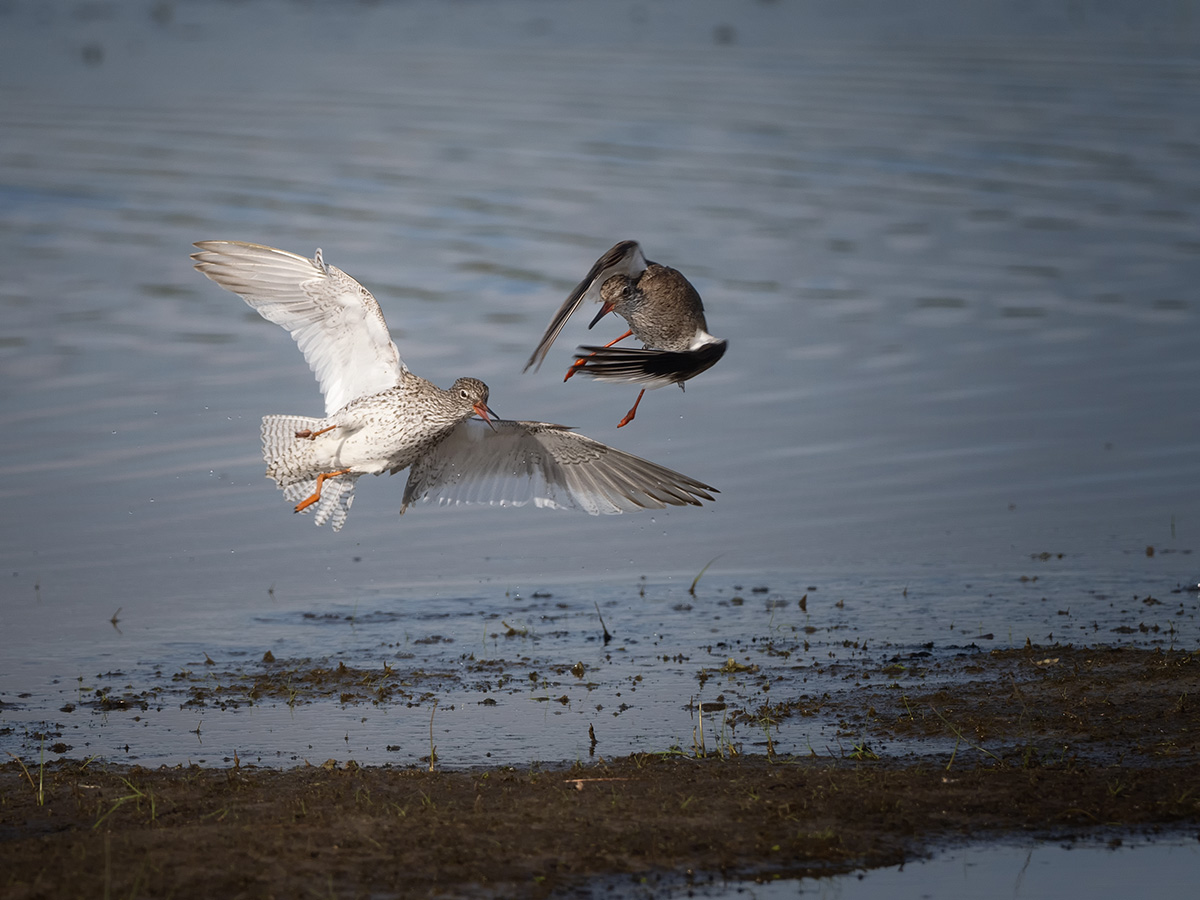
648 366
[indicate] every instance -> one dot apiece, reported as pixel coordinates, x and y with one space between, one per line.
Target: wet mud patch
350 831
307 681
1105 705
1049 742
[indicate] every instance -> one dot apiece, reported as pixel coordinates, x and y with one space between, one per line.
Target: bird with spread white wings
380 417
664 312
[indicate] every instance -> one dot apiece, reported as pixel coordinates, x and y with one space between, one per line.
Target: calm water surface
958 284
956 270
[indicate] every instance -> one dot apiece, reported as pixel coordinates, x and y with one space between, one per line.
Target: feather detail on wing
515 463
624 258
654 368
337 496
334 320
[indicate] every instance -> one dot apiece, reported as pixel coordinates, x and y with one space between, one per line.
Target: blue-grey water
954 248
1045 871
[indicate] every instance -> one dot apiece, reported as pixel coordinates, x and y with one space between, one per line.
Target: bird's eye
463 393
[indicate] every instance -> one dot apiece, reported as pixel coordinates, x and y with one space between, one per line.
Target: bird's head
472 394
618 294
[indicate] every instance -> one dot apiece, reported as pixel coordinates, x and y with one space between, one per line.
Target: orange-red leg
580 362
633 412
306 503
312 435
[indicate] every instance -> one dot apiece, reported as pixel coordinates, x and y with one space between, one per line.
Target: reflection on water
957 279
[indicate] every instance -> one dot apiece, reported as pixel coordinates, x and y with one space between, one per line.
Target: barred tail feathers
288 458
337 496
290 462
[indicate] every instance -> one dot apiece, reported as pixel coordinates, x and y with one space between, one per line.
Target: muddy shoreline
1044 742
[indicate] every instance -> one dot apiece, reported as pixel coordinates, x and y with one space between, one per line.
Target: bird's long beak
605 309
485 413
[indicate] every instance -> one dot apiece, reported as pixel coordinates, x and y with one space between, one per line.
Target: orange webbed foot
633 412
316 495
312 435
575 367
582 361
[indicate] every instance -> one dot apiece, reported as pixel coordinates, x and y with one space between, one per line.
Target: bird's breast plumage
394 428
664 312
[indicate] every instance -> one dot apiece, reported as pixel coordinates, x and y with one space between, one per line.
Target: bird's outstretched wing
512 463
653 368
624 258
335 321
